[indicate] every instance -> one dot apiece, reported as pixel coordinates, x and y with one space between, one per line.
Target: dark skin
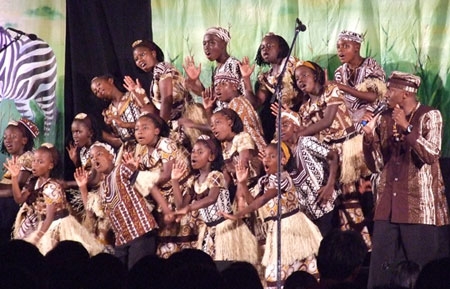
14 136
22 177
42 166
215 50
291 130
309 85
349 52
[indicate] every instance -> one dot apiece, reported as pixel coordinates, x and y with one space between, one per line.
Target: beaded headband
290 116
351 36
209 142
106 146
28 124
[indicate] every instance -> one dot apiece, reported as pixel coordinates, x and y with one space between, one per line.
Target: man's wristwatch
408 129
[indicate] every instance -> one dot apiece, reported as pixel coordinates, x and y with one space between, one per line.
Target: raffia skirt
300 238
229 240
67 228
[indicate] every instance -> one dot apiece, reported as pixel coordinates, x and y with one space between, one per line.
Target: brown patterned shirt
411 188
127 209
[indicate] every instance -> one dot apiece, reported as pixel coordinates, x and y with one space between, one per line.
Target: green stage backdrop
407 35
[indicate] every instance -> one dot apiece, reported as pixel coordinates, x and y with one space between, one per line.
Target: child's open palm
129 159
13 166
178 169
81 176
192 71
241 172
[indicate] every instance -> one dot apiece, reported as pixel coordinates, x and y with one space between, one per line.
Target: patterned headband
209 142
284 149
290 116
351 36
306 64
225 77
28 124
220 32
106 146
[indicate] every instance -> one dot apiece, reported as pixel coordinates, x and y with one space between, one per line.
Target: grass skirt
66 228
353 165
229 240
300 238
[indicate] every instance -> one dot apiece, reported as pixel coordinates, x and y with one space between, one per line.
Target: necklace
395 133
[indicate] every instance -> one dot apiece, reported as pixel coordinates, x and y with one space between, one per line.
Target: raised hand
398 115
245 67
72 151
81 176
178 169
261 155
208 98
241 172
129 159
191 70
130 84
13 166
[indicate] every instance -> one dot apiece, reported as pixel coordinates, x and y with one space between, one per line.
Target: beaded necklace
398 136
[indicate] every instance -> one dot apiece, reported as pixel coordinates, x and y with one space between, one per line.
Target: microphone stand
17 37
277 97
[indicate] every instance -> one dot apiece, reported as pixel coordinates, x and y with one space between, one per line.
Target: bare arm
364 95
166 90
17 179
325 122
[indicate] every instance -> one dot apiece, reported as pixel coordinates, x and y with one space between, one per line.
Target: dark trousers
327 222
131 252
393 243
8 213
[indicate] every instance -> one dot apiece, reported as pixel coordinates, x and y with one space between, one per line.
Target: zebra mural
28 72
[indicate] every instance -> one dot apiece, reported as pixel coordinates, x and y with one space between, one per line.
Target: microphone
300 25
31 36
378 110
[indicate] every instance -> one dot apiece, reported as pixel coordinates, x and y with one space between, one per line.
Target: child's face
221 126
145 131
102 88
144 58
270 50
42 163
213 47
270 160
201 156
101 159
81 134
347 50
288 130
304 78
226 91
14 140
